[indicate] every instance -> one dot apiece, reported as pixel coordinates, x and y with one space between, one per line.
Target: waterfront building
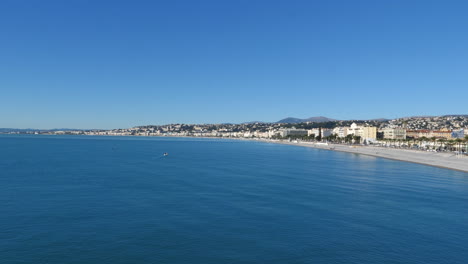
394 133
367 133
458 134
340 131
353 130
247 134
316 132
326 132
418 133
293 132
259 134
272 133
443 133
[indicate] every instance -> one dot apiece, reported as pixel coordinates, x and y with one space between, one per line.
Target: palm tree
408 142
442 141
450 143
422 139
420 142
434 141
459 141
357 139
466 143
386 141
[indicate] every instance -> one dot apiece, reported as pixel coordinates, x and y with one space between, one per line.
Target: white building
293 132
367 134
316 132
341 131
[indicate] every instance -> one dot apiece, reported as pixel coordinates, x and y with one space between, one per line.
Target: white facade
293 132
368 134
394 133
340 131
316 131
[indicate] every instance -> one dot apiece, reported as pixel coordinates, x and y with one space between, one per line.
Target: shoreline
435 159
445 160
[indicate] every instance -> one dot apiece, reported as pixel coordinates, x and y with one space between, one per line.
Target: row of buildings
365 133
371 133
401 133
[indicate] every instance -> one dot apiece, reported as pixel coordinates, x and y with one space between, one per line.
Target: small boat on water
165 154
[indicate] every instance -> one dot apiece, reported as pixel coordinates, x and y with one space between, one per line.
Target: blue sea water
77 199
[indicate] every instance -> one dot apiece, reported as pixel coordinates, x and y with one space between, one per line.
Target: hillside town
444 131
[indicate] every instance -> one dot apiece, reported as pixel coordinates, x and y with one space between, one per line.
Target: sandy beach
448 160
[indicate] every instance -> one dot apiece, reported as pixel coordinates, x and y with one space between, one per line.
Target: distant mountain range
316 119
321 119
288 120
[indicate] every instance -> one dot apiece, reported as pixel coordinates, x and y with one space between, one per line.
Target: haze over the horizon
111 64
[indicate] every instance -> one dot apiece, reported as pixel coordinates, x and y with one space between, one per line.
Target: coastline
435 159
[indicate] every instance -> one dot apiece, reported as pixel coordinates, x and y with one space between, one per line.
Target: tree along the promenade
466 143
331 138
348 138
334 137
357 139
433 142
384 140
441 142
450 143
408 142
459 141
422 139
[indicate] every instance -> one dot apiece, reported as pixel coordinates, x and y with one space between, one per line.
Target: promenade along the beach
449 160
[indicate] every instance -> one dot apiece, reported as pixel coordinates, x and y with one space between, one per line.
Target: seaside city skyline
248 131
84 64
313 120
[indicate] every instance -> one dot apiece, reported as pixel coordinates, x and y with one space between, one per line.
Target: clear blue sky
117 64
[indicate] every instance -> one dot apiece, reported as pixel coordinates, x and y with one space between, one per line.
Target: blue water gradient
77 199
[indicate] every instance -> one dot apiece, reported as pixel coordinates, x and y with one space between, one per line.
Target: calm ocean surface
73 199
